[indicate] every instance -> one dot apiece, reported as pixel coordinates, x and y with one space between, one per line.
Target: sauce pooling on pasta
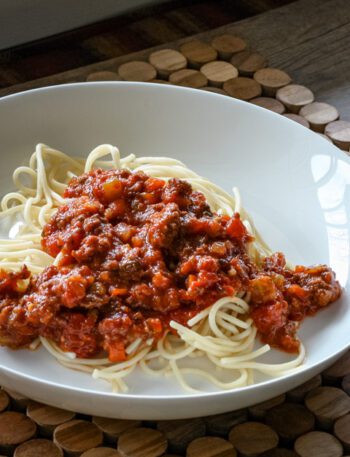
135 252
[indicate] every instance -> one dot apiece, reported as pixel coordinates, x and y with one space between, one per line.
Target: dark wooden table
310 39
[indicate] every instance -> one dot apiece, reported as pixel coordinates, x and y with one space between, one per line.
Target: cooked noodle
223 333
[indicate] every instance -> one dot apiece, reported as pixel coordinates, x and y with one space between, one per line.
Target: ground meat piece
165 226
136 252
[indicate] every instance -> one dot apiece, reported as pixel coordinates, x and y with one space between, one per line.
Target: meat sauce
136 252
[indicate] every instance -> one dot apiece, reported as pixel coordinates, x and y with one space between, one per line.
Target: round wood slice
279 452
342 431
188 78
290 420
269 103
180 433
339 133
218 72
346 384
216 90
248 63
18 401
242 88
221 424
113 428
318 444
253 438
166 61
101 452
137 70
226 45
77 436
327 404
38 448
102 76
299 393
258 412
142 442
15 428
210 446
319 115
340 368
240 57
47 417
302 121
198 53
272 79
294 97
4 401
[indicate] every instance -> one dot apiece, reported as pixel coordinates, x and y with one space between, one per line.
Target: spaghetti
224 332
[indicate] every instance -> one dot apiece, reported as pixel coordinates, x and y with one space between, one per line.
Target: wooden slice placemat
227 66
311 420
224 64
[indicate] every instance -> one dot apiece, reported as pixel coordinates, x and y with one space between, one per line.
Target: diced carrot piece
119 291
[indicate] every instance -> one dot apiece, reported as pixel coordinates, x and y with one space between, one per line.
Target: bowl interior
294 183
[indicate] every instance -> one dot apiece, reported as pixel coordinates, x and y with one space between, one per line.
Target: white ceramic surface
295 184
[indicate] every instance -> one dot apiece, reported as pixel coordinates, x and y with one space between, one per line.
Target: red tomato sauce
136 252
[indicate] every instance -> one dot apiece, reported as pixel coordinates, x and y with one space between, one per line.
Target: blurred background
39 38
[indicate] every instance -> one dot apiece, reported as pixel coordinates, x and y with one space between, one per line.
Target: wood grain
339 133
318 444
248 62
295 96
227 45
253 438
342 431
47 417
77 436
290 420
242 88
166 61
327 404
218 72
292 38
319 114
188 78
38 448
113 428
269 103
142 442
137 70
198 53
271 79
15 428
210 446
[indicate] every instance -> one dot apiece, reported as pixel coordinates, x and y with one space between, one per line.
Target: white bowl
295 184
